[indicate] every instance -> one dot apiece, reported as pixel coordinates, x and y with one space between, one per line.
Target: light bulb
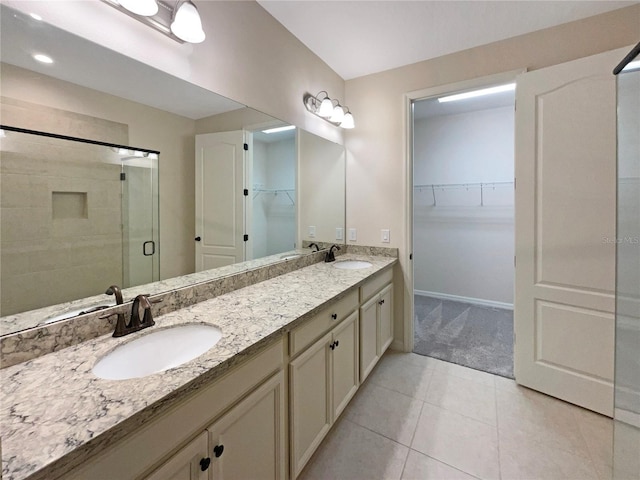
186 23
326 108
42 58
347 121
338 115
146 8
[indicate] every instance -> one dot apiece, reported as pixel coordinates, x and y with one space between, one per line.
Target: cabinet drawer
373 286
302 336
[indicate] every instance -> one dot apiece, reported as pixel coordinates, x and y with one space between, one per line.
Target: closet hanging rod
287 192
463 185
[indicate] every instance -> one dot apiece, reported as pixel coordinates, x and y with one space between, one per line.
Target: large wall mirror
178 186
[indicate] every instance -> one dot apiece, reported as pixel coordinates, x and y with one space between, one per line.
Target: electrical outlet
312 231
386 236
352 235
339 233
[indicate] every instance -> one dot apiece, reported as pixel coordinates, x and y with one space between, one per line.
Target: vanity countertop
54 410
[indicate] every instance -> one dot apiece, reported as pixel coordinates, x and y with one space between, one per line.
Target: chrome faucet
314 245
330 255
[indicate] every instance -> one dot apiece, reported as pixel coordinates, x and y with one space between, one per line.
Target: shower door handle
145 250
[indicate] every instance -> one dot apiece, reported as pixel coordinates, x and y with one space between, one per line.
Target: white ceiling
357 38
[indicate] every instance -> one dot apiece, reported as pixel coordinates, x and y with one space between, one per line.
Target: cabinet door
310 401
368 337
344 364
248 441
190 463
385 318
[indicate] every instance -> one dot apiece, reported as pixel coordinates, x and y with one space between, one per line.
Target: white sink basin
352 265
157 351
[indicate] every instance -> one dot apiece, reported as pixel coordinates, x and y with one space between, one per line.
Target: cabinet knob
332 346
204 463
334 316
337 342
217 450
197 239
381 302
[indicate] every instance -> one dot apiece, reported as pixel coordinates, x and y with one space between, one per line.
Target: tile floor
416 417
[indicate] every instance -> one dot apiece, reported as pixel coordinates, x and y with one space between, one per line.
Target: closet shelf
482 187
275 192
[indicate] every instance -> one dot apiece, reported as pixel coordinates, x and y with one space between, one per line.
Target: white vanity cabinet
376 321
247 402
248 442
323 377
191 462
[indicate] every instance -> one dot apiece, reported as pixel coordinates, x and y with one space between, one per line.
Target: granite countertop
54 411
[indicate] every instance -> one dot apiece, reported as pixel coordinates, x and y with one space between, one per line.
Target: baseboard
397 346
458 298
625 416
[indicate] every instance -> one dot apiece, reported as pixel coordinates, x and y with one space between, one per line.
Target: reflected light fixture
186 23
146 8
330 110
178 19
478 93
35 16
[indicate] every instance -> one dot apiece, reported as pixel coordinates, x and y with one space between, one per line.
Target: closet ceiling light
35 16
279 129
146 8
330 110
478 93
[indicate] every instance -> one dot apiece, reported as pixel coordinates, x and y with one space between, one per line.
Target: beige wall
148 127
376 166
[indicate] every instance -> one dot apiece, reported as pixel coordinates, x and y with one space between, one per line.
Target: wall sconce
330 110
178 19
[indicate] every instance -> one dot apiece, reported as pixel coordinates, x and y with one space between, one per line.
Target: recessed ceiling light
35 16
279 129
478 93
43 58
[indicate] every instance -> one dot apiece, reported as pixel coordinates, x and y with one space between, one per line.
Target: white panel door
220 200
565 230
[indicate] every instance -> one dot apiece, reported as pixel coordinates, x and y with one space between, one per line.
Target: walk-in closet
463 229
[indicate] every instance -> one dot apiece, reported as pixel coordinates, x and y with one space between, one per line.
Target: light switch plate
386 236
312 231
352 235
339 233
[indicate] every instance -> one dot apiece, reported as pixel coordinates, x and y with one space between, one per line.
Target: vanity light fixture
178 19
146 8
330 110
478 93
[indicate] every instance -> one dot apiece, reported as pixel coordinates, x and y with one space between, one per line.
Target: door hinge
514 260
246 146
246 192
411 256
123 176
514 183
246 237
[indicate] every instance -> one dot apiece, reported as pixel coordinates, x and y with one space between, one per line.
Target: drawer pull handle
334 316
204 464
217 450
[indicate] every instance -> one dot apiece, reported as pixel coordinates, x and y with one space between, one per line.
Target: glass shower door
626 444
140 232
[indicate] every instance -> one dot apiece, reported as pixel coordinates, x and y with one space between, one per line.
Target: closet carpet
471 335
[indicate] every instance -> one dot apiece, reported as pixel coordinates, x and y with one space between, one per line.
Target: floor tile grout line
588 446
415 429
445 463
377 433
